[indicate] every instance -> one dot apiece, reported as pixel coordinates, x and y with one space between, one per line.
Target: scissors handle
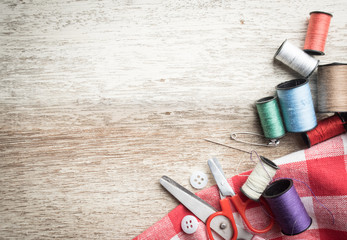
227 212
241 208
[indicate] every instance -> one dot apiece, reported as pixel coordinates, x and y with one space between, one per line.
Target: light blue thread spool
297 105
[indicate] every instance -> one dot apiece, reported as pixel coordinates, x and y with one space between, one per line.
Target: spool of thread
317 32
297 106
270 117
260 177
287 207
326 128
332 87
296 59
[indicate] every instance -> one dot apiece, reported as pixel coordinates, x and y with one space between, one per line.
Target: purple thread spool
287 207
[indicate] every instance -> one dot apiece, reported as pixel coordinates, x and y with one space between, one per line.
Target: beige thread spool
332 87
259 179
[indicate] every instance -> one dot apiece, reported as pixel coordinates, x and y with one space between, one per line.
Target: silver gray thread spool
296 59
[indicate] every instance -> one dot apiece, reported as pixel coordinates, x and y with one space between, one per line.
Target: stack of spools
281 196
294 112
296 108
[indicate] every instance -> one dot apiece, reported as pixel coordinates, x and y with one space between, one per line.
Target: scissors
219 224
227 194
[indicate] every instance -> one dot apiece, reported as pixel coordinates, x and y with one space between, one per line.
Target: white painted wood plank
99 99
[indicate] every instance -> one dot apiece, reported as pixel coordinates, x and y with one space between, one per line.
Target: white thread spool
259 179
296 59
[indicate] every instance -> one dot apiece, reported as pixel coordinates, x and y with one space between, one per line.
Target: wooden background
99 99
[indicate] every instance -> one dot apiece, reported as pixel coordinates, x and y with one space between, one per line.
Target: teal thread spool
270 117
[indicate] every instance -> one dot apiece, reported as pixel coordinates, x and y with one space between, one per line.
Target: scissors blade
224 187
196 205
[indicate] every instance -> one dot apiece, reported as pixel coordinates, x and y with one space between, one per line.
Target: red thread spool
326 128
317 32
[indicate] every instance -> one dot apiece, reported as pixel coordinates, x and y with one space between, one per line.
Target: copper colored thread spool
317 32
326 129
332 87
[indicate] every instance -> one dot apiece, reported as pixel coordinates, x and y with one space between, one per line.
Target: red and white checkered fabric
322 167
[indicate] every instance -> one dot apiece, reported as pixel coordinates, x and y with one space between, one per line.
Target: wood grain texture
99 99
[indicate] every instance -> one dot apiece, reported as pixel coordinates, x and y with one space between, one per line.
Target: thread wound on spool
326 129
297 105
332 87
317 32
260 177
296 59
287 207
270 117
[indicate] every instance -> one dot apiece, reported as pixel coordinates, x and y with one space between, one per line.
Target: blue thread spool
297 106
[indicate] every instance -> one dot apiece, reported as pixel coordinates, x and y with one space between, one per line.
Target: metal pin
208 140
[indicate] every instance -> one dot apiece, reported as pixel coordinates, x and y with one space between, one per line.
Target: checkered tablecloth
322 167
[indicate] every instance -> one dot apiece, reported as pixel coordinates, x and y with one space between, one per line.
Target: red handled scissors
202 210
227 194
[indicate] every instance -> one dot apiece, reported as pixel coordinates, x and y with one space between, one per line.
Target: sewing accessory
259 178
271 143
287 207
227 194
296 59
189 224
220 225
332 87
326 129
297 106
270 117
198 180
225 145
317 32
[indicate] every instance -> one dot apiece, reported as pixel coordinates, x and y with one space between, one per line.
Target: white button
198 180
189 224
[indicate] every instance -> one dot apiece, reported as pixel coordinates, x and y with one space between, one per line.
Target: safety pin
272 143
